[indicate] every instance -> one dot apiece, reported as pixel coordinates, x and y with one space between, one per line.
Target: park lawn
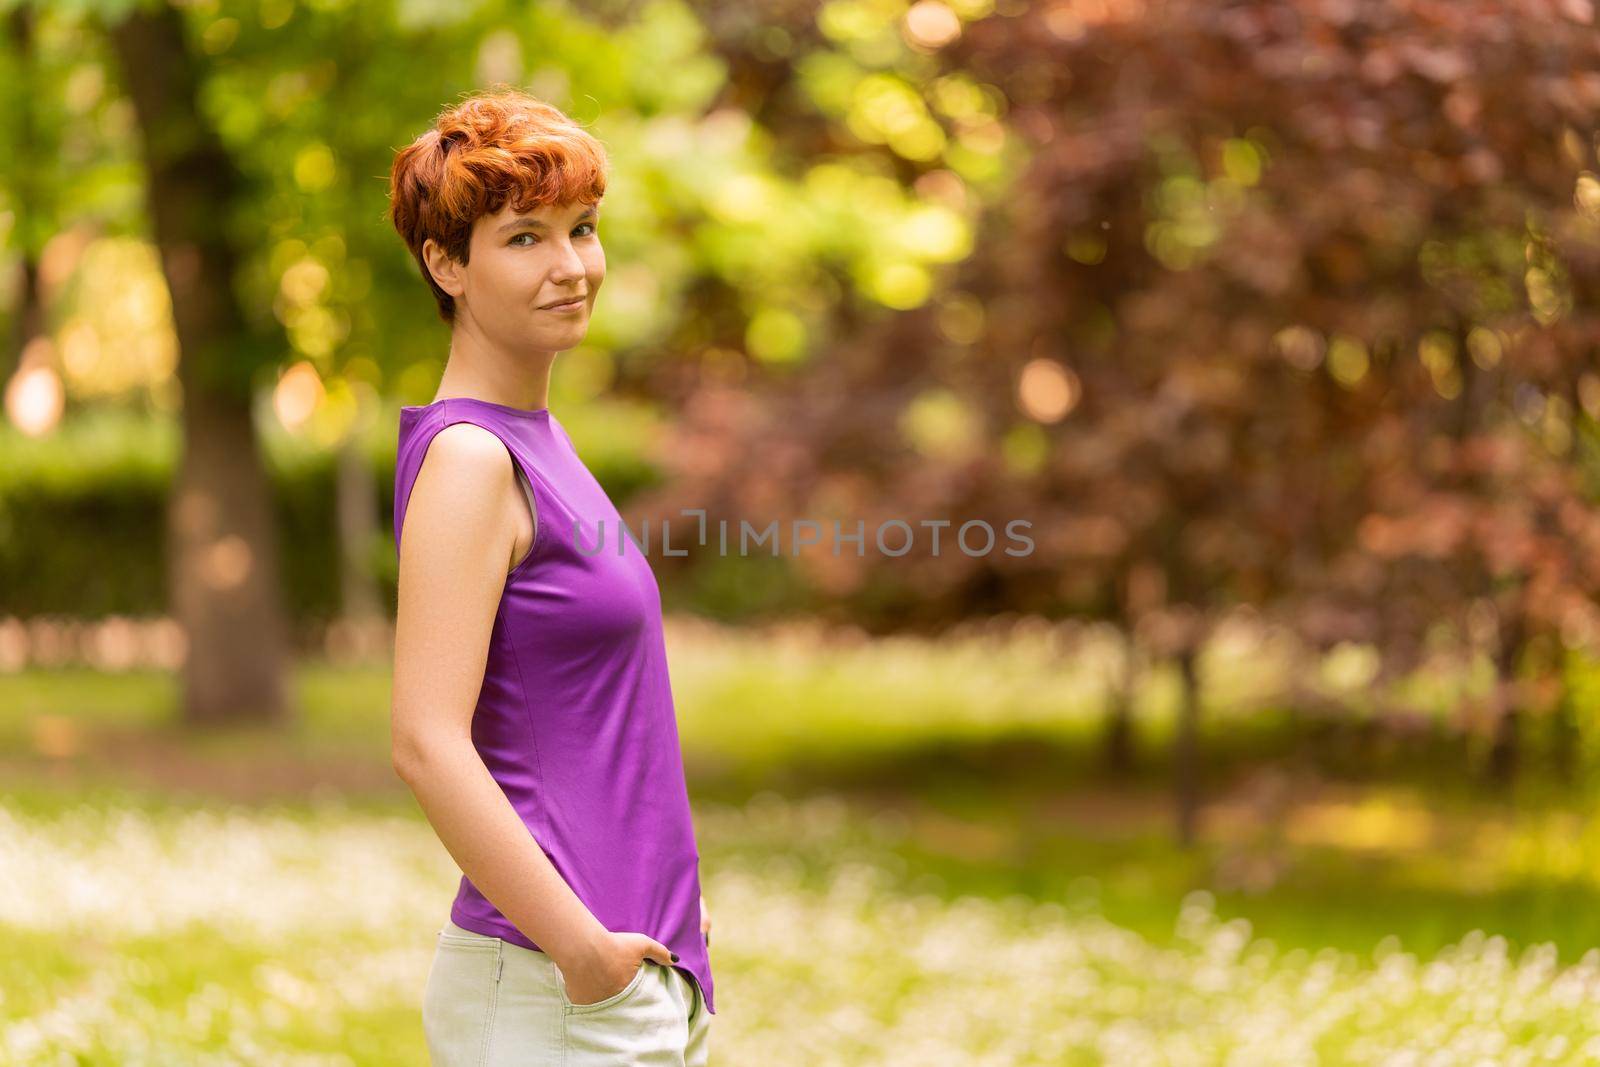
983 822
298 933
1002 801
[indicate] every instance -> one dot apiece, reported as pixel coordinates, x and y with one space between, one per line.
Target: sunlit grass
269 937
960 886
753 698
902 979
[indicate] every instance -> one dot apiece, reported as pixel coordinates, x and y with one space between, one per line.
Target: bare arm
460 539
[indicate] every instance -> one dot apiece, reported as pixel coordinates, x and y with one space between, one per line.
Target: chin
559 339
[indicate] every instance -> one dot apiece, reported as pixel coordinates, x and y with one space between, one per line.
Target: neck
478 368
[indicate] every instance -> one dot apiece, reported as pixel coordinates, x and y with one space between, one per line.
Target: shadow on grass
1024 813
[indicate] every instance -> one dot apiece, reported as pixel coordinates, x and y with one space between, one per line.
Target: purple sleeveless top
575 719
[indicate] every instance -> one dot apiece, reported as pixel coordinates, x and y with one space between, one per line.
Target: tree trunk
28 321
1186 748
222 551
360 599
1505 752
1117 751
1566 743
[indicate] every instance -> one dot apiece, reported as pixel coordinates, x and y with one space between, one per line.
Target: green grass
858 806
842 935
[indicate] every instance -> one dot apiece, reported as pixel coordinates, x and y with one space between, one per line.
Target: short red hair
496 145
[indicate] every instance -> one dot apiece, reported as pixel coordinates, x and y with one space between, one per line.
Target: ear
446 271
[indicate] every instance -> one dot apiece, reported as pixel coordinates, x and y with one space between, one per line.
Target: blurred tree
281 120
222 543
22 177
1214 341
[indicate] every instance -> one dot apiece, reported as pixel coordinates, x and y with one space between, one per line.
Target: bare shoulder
463 481
471 496
467 452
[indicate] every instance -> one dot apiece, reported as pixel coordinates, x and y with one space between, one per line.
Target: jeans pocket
641 1024
458 1001
616 998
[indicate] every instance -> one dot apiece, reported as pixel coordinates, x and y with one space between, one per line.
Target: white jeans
489 1003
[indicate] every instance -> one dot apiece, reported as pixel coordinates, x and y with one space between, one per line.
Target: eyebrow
528 222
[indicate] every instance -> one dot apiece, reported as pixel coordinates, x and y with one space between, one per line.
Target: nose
568 265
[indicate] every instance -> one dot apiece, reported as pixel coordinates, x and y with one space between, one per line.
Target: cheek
499 273
520 277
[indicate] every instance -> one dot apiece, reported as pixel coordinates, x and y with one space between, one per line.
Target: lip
572 305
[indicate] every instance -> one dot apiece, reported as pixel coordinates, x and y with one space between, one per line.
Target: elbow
401 771
404 764
408 758
412 757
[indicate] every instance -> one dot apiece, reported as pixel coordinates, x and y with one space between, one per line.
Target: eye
591 226
523 234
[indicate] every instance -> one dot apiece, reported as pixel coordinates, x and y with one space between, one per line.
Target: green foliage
82 512
311 101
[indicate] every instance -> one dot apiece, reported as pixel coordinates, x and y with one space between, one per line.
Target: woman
532 711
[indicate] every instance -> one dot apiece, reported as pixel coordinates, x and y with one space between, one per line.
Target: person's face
520 265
